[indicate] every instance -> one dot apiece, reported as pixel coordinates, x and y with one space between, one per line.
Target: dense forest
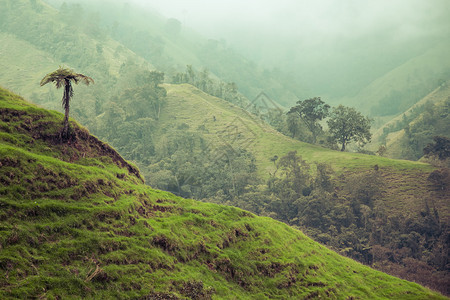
187 110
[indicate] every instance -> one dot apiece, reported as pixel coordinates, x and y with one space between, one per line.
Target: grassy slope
407 186
394 139
238 128
76 220
23 65
422 71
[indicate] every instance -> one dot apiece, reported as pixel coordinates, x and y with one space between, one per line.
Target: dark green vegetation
311 112
76 220
440 148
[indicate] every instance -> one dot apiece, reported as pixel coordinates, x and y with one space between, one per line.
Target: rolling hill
225 124
77 221
197 148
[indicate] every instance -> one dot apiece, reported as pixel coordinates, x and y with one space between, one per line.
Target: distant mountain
168 45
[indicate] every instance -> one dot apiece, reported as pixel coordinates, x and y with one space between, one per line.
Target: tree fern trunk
66 100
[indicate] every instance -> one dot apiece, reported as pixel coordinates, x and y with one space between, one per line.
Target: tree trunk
343 147
66 100
159 111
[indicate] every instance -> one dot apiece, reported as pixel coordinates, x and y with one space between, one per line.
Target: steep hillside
22 64
401 88
76 220
406 135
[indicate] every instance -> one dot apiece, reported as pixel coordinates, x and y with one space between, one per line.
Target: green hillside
402 87
76 220
238 129
213 128
22 71
367 207
406 135
36 39
190 105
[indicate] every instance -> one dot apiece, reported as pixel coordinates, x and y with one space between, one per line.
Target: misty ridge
331 48
328 117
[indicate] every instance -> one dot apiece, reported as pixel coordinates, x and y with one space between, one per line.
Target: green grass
87 227
23 65
240 129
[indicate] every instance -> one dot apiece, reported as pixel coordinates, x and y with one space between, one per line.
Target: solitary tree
64 78
347 124
311 111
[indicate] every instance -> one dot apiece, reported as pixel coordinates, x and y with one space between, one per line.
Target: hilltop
77 220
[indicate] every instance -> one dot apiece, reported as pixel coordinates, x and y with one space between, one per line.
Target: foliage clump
311 111
347 124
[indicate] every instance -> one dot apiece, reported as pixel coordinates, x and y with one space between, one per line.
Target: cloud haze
305 17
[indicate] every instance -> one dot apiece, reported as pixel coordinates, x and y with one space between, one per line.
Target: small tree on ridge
347 124
64 78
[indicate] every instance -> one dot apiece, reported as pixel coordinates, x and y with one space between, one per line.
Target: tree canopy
440 148
346 124
311 111
63 78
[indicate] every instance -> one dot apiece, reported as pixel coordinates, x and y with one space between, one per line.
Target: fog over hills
331 49
336 47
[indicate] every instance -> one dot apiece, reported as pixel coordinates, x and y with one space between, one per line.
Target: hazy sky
303 17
